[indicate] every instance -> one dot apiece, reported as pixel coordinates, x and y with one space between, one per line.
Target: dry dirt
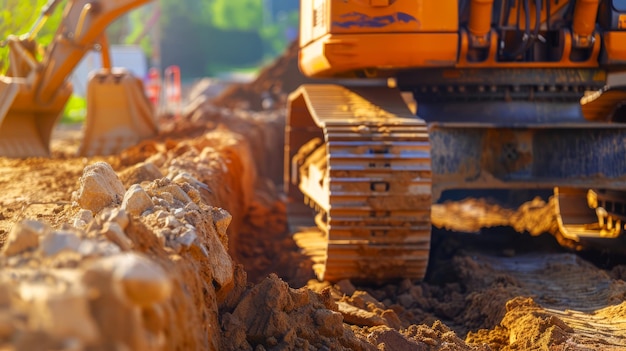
181 243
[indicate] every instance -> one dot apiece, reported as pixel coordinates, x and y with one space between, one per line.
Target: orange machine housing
371 38
340 36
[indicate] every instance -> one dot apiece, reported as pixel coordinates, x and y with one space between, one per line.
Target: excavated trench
181 243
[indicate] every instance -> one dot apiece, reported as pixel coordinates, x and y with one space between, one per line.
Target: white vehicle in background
131 57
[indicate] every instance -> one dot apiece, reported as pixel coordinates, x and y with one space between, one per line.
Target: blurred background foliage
204 37
18 16
211 36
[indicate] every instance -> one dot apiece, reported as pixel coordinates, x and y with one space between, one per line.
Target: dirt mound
132 260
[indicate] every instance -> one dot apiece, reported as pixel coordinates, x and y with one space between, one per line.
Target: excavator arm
33 93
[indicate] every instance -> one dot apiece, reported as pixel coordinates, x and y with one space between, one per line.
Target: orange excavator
509 94
34 91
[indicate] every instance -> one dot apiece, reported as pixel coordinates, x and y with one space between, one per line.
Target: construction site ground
182 243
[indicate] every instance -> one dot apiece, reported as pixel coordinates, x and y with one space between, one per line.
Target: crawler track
374 211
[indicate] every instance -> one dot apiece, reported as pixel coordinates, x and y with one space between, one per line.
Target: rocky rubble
121 274
144 264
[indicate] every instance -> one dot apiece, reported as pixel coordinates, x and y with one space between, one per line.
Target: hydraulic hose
526 39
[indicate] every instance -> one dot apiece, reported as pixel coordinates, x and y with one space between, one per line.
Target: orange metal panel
334 54
615 46
361 16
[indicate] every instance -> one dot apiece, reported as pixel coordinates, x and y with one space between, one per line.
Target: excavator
34 91
509 94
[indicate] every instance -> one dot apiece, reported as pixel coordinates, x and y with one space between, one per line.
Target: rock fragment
162 186
115 234
187 238
357 316
99 187
393 340
185 177
59 241
171 222
24 236
117 215
91 247
141 172
222 220
330 323
220 261
136 200
82 218
139 280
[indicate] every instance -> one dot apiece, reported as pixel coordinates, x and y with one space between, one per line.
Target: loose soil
181 243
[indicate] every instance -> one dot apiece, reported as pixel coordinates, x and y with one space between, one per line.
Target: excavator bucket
26 128
119 114
576 220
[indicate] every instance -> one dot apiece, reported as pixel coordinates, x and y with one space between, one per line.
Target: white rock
58 241
185 177
90 247
187 238
83 217
136 200
99 187
79 223
141 172
192 205
175 190
139 280
116 234
119 216
161 214
24 236
172 222
167 197
221 219
179 213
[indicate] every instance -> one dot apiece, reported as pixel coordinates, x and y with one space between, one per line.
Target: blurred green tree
18 16
243 15
211 36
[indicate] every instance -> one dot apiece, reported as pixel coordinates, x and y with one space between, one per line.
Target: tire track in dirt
585 298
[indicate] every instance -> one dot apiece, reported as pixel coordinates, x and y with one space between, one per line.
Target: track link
375 209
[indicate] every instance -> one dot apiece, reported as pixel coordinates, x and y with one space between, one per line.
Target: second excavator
509 94
34 91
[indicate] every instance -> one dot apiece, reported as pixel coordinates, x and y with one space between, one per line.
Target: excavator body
33 93
510 94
